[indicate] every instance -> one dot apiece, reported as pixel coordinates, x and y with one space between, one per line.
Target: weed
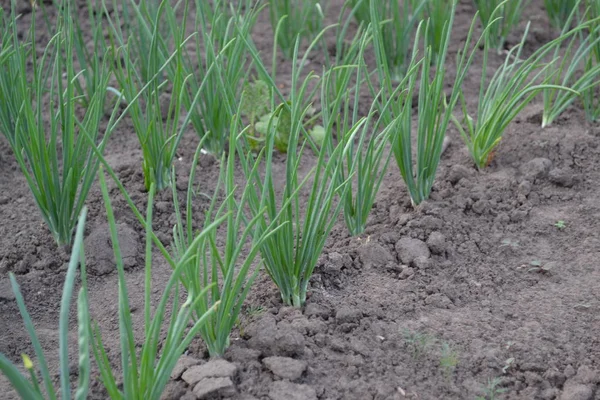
419 343
492 390
448 360
560 224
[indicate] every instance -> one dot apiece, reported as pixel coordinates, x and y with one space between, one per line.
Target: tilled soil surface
475 284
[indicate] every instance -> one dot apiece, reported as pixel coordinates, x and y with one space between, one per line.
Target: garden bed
495 276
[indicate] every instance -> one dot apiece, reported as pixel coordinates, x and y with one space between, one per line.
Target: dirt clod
285 367
284 390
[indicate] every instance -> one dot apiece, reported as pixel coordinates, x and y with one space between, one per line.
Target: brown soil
459 272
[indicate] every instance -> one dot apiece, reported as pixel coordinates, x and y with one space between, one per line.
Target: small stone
408 249
212 369
289 342
6 292
561 177
536 168
372 254
437 243
209 387
480 206
183 364
576 391
458 172
285 367
284 390
348 315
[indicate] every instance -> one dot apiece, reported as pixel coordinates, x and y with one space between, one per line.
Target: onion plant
227 268
567 72
157 133
290 254
29 387
516 82
55 157
397 24
559 11
292 19
220 65
368 156
509 14
418 167
439 13
146 369
590 97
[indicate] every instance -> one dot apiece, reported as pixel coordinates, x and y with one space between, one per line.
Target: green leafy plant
294 21
290 255
514 84
560 224
448 360
439 13
396 33
568 73
226 269
492 390
30 388
507 16
559 11
434 111
589 96
419 342
53 154
146 369
220 64
158 129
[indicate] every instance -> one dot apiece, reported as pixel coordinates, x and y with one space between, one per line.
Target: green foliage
295 21
418 342
434 111
492 390
396 33
156 111
439 13
590 97
291 253
576 56
228 268
53 154
516 82
448 360
507 14
29 388
219 62
559 11
146 369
